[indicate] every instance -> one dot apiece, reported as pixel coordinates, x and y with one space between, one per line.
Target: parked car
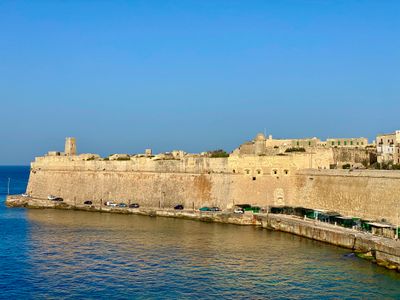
123 205
88 202
178 207
215 208
51 197
205 208
57 199
133 205
110 203
25 195
238 210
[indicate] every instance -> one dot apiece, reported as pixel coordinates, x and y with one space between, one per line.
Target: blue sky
122 76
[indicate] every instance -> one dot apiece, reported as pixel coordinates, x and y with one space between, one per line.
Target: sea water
55 254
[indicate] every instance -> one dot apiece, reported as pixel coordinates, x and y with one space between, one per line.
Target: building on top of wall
261 145
70 146
360 142
304 143
388 147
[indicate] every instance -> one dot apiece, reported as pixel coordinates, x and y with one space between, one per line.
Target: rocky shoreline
382 251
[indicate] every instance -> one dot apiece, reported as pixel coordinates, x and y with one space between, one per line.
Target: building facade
388 147
347 142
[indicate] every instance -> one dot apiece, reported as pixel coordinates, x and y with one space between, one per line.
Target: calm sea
53 254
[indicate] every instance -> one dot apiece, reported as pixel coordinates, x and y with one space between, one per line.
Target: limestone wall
363 193
161 189
363 156
223 182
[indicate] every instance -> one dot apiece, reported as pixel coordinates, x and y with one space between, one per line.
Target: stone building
304 143
261 145
70 146
347 142
388 147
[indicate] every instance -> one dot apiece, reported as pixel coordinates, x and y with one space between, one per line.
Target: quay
381 250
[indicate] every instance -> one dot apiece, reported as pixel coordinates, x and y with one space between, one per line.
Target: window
286 172
258 171
345 143
351 143
338 143
247 171
362 143
298 143
234 171
254 178
275 172
333 143
309 143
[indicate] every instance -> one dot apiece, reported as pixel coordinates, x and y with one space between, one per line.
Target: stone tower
70 146
259 143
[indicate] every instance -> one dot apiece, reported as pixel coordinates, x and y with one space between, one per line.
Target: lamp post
397 227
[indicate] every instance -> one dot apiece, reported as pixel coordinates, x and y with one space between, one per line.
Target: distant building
261 145
347 142
70 146
304 143
388 147
148 153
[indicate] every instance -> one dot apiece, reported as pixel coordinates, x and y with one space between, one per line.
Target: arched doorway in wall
279 197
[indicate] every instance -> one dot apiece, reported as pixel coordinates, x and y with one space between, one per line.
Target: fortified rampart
192 181
351 156
370 194
223 182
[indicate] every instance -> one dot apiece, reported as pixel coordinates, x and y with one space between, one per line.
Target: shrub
295 149
218 153
123 158
385 166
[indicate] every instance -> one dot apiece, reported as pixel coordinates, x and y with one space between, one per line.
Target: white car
51 197
110 203
238 210
25 195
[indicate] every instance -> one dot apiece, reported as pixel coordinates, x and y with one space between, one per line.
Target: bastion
265 178
263 173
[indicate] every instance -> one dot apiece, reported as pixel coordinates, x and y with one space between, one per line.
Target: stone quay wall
383 251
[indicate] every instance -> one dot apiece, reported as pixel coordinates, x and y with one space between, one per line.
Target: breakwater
383 251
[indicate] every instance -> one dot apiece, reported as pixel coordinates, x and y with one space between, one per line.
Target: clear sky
122 76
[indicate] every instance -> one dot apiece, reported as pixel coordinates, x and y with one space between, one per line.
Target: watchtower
70 146
259 143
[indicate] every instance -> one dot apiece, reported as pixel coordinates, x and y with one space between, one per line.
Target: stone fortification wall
194 182
190 164
365 156
359 193
223 182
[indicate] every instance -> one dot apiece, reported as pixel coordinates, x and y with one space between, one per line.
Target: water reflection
92 255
